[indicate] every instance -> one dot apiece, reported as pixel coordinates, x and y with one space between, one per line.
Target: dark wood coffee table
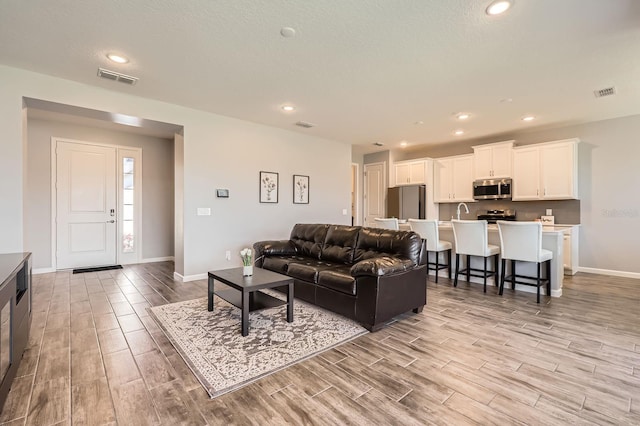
244 292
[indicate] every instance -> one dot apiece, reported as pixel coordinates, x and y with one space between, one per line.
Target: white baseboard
38 271
609 272
157 259
188 278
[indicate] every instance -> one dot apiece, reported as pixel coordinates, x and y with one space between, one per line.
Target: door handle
111 221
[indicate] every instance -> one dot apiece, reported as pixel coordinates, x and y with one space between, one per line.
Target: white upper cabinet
454 179
410 172
526 173
492 160
443 173
559 170
547 171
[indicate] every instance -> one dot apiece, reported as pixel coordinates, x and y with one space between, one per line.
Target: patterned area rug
213 347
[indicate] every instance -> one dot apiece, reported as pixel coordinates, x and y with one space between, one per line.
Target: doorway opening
155 217
375 186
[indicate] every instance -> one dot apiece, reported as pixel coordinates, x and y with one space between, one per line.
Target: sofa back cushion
375 242
340 244
309 239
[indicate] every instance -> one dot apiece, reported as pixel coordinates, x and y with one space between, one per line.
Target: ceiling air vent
378 144
305 124
608 91
116 76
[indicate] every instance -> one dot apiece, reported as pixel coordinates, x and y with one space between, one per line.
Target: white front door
375 187
86 221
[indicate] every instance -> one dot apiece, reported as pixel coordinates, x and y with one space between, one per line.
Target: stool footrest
440 266
543 281
482 273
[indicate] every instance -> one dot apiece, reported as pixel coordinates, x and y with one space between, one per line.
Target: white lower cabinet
454 179
570 251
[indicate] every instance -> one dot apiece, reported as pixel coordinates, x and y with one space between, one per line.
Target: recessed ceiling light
119 59
528 118
419 122
463 115
404 144
287 32
498 7
288 108
458 132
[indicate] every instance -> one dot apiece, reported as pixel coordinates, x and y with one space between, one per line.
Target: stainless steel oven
492 189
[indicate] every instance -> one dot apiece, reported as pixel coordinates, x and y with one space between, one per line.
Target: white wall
157 184
219 152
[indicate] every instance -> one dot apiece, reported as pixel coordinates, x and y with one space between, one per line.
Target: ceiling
362 71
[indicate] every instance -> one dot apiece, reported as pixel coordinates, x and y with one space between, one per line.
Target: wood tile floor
96 357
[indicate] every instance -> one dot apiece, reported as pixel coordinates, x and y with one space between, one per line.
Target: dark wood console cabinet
15 315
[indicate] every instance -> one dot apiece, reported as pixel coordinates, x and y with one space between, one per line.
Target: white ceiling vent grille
607 91
305 124
116 76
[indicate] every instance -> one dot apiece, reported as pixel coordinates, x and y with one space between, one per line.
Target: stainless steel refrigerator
407 202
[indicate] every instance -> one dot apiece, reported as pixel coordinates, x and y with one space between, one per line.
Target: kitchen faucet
465 207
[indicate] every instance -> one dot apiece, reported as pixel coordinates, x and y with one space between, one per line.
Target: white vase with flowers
247 265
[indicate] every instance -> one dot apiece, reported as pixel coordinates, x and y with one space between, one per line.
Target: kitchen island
552 239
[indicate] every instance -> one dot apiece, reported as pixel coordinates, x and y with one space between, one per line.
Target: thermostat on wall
222 193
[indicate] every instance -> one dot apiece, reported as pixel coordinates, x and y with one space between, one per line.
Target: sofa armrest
381 266
273 248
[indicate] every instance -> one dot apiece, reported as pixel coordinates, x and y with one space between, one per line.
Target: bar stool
522 241
471 240
387 223
428 230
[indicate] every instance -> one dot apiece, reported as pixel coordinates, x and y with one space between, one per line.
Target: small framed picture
268 187
300 189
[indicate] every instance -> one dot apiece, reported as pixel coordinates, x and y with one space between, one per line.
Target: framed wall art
300 189
268 187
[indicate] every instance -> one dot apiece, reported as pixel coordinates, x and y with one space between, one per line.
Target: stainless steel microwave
492 189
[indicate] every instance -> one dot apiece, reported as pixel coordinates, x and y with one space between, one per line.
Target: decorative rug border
214 394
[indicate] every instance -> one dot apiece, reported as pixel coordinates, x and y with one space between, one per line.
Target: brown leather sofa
367 274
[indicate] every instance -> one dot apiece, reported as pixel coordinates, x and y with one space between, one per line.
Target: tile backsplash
564 211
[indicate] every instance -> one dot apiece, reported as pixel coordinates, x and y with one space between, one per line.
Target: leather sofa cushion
309 239
376 242
340 244
308 270
338 278
380 266
279 264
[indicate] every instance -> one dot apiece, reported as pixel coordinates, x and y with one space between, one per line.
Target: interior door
374 192
86 222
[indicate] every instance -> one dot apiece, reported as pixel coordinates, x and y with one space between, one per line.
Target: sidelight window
128 235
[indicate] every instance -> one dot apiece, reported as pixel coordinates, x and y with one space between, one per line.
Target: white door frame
356 196
365 194
137 198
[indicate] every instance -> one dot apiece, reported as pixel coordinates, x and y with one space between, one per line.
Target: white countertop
446 225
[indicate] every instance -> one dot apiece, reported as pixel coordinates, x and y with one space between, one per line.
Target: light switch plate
204 211
344 212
